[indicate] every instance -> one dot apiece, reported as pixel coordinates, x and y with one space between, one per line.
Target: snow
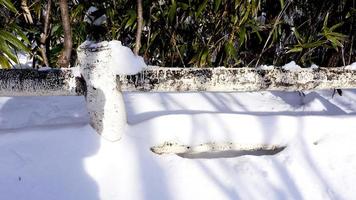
123 59
44 69
48 150
292 66
25 61
314 66
351 66
266 67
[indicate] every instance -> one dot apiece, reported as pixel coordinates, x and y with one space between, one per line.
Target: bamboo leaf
204 56
313 44
7 51
8 4
201 8
300 39
183 6
295 50
4 63
230 49
13 40
172 11
281 2
246 15
325 24
217 4
242 36
131 20
20 33
336 26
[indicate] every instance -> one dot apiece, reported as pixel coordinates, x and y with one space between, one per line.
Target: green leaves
8 5
9 43
217 4
172 11
327 38
336 39
201 8
131 19
12 40
200 32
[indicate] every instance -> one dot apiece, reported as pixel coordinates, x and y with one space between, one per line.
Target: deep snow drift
48 151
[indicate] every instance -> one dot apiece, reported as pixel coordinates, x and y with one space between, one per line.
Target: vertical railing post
104 99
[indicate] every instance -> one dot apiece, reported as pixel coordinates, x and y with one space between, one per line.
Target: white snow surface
314 66
266 67
123 60
48 150
25 61
351 66
292 66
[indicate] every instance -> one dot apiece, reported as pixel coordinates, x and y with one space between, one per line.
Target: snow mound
123 60
351 66
292 66
266 67
314 66
44 69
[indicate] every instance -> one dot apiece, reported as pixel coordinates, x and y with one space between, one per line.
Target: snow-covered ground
48 150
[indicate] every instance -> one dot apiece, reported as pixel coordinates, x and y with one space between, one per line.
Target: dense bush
211 33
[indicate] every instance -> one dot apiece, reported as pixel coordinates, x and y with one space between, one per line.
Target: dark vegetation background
195 33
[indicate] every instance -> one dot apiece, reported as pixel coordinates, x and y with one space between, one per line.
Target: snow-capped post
99 64
104 99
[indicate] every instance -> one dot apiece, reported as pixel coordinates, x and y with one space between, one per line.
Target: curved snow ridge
214 150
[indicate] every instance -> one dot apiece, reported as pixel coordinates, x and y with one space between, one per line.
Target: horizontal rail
237 79
27 82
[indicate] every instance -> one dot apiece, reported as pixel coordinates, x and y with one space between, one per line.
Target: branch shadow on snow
288 185
221 103
48 139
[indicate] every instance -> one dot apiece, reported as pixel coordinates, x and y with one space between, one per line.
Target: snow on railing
220 79
102 87
63 82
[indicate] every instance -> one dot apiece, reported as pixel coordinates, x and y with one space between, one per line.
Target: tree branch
139 27
64 59
26 12
44 34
